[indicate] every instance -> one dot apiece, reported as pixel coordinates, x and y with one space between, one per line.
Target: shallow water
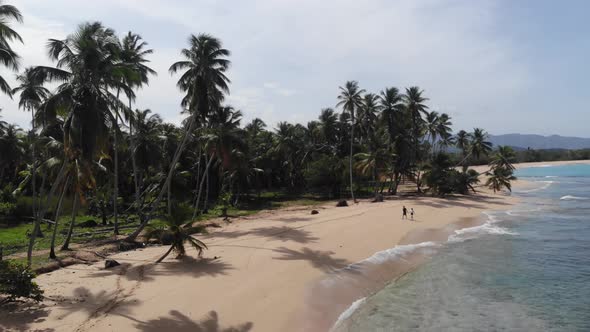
527 269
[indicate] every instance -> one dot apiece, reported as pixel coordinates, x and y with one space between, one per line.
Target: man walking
404 213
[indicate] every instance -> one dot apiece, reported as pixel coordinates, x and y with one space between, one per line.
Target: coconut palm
499 178
444 131
133 54
503 157
32 94
204 83
351 100
391 104
432 129
8 56
463 141
177 232
414 105
479 144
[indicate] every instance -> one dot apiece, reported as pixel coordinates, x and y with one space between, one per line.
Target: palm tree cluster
89 145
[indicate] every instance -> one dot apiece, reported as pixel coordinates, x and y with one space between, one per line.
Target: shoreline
257 274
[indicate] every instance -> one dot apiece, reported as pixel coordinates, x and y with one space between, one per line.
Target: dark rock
342 203
88 223
315 212
124 246
110 263
378 198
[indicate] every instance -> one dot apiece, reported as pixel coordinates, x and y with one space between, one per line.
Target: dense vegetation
89 152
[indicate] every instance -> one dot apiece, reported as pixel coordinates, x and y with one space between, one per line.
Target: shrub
7 209
16 281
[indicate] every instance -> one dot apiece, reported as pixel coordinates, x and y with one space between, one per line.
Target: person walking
412 213
404 213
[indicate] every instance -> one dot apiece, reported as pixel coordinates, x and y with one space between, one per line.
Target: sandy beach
266 272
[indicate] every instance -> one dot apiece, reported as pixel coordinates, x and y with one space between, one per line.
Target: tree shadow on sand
178 322
282 233
96 304
20 316
188 265
322 260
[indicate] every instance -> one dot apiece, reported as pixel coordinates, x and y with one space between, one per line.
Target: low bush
16 281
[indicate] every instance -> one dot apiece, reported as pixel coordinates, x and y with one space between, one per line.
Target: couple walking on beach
405 213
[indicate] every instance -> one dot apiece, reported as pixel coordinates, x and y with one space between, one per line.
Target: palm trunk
33 182
156 203
201 186
207 188
350 158
134 163
165 255
197 183
116 169
169 199
66 245
56 220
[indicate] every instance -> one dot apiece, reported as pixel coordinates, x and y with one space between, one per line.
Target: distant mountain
537 142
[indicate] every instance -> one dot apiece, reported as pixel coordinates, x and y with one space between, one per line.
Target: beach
266 272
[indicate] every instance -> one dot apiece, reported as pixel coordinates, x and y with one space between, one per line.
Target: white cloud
289 57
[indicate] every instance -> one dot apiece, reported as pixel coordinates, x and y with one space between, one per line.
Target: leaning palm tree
204 83
351 100
504 158
8 56
32 94
178 231
499 178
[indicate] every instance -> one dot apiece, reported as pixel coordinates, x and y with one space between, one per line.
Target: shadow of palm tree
96 304
322 260
196 267
178 322
282 233
20 316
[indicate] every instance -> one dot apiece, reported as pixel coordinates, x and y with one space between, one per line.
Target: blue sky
506 66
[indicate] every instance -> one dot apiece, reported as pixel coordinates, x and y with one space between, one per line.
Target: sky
506 66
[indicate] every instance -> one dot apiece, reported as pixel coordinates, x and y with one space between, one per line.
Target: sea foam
348 312
570 198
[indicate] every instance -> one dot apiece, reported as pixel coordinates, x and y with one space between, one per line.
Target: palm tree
463 141
32 94
499 178
504 157
204 83
88 68
479 144
350 99
391 104
133 54
12 150
178 232
444 130
432 122
414 104
328 126
8 57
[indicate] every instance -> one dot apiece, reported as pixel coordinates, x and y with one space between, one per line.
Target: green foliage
16 281
7 209
177 231
326 173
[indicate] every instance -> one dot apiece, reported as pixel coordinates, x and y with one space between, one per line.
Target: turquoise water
527 269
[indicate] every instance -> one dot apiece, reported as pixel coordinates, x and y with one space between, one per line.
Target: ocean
525 269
